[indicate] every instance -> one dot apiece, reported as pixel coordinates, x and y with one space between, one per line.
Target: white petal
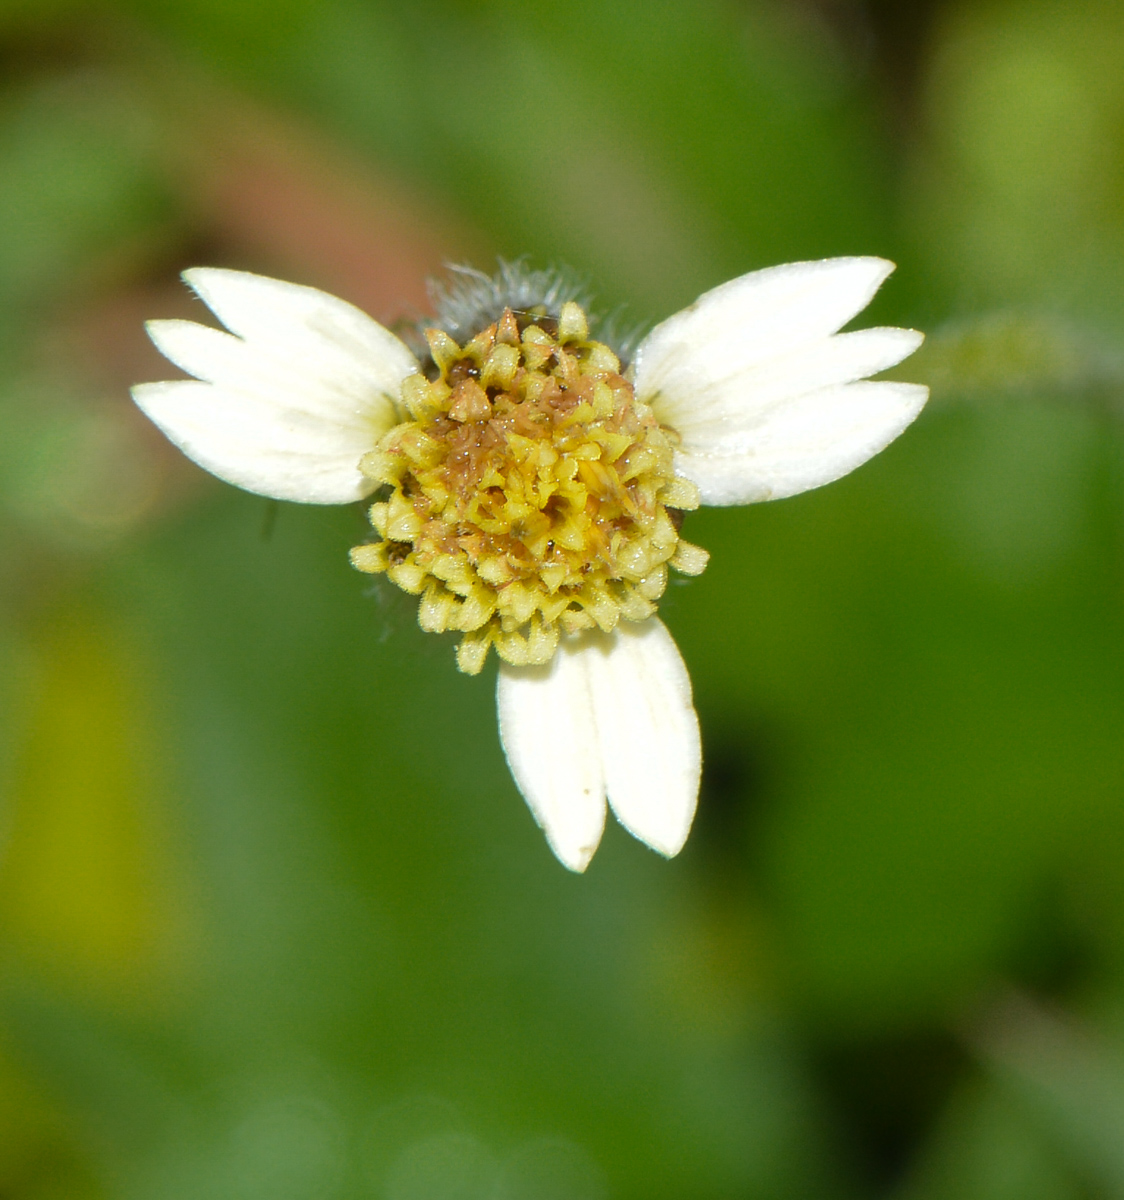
288 407
648 732
294 319
726 424
611 713
815 439
548 735
754 382
764 313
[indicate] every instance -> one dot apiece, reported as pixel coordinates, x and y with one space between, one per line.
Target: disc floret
529 493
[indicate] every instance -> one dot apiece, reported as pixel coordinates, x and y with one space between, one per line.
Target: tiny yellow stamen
531 493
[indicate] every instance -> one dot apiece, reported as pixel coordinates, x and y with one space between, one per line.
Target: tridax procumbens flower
529 484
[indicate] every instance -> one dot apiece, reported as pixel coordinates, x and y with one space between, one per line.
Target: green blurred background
274 921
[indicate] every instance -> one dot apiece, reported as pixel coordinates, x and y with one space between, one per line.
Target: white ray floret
289 405
549 735
763 395
764 391
649 733
610 716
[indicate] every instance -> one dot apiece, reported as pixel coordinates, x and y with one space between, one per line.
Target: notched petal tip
203 280
879 267
668 849
212 284
866 273
573 858
249 304
908 341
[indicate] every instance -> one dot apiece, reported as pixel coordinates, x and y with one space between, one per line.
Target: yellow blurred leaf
86 884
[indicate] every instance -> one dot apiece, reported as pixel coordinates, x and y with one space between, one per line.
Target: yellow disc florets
531 493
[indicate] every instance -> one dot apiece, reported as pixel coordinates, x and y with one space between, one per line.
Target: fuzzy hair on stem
468 300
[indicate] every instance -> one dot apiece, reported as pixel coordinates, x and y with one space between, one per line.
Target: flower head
532 494
530 486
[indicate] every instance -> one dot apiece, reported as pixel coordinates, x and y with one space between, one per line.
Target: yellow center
531 493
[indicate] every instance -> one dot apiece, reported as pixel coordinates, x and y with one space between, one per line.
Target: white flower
535 491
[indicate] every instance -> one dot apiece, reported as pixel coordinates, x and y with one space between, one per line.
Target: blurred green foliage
274 921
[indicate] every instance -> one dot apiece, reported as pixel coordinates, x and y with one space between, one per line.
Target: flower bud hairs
529 480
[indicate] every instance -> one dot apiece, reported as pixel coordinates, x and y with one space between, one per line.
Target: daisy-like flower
529 485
